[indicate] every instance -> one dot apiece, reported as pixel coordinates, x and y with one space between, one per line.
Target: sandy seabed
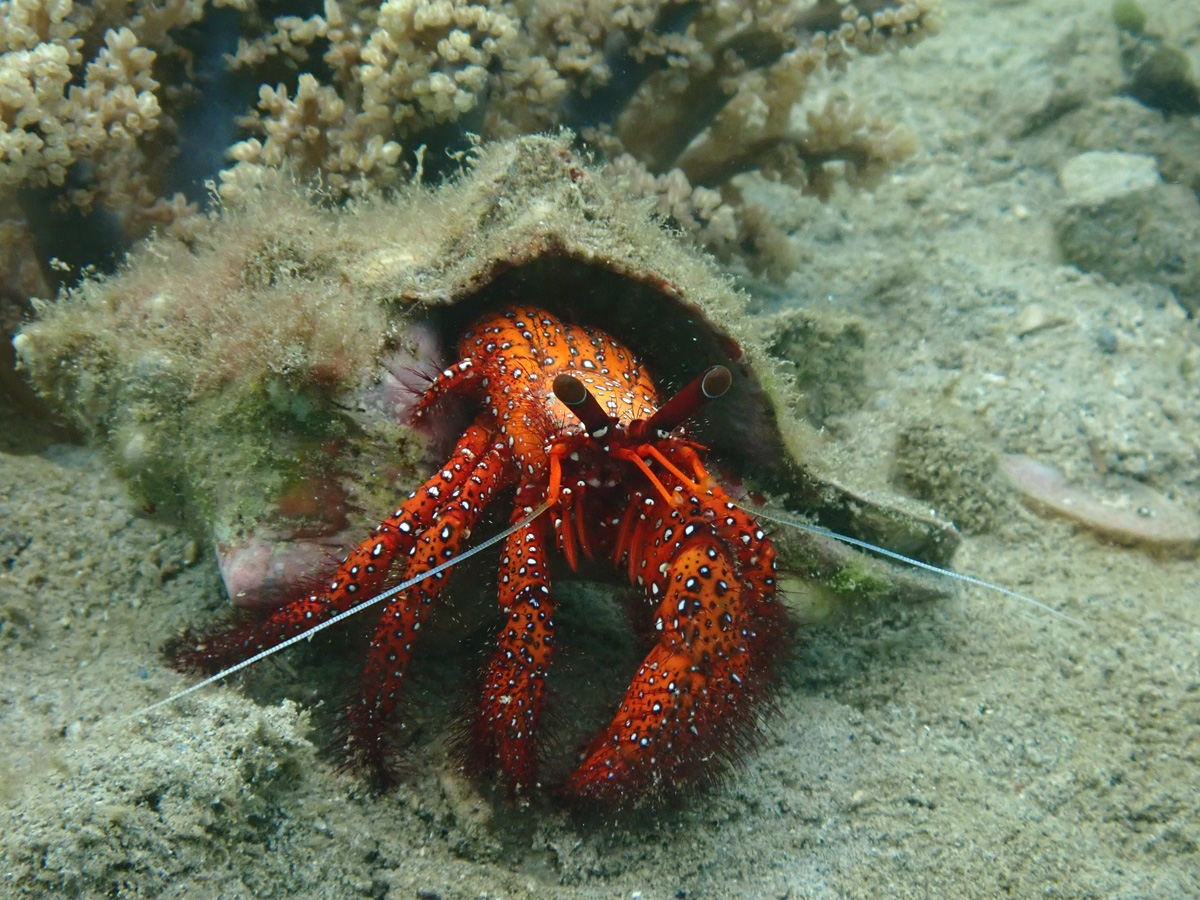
970 747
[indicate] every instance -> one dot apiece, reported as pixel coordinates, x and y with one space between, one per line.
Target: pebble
1121 220
1097 177
1034 318
1106 340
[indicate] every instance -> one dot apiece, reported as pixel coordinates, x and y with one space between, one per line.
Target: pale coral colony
98 102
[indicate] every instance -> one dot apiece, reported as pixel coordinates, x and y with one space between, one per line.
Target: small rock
1106 340
1123 221
1095 178
1034 318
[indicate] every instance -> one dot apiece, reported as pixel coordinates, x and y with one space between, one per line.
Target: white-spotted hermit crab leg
334 620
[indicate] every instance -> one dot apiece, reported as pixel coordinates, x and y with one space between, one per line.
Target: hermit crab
265 382
570 421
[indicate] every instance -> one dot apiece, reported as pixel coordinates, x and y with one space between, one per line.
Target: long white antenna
329 623
899 557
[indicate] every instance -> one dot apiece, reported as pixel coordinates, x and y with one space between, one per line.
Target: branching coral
85 119
683 96
739 108
397 72
82 124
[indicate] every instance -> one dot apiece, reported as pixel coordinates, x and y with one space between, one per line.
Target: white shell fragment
1139 515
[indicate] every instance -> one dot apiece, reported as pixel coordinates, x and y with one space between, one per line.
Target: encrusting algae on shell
256 381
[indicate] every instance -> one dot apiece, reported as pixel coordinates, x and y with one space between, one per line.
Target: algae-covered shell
256 381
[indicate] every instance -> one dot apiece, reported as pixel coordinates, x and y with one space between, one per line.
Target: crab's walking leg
697 693
401 619
514 680
360 575
457 377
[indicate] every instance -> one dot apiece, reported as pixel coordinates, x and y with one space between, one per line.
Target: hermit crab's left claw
699 692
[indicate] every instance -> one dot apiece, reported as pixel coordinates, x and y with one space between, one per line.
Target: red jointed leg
361 575
694 695
450 380
514 682
391 646
751 548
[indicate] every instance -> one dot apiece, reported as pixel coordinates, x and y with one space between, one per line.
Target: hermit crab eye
574 395
712 383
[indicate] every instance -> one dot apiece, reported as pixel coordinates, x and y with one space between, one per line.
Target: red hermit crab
569 418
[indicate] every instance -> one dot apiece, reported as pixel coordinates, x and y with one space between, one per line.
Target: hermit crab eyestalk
712 383
574 395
